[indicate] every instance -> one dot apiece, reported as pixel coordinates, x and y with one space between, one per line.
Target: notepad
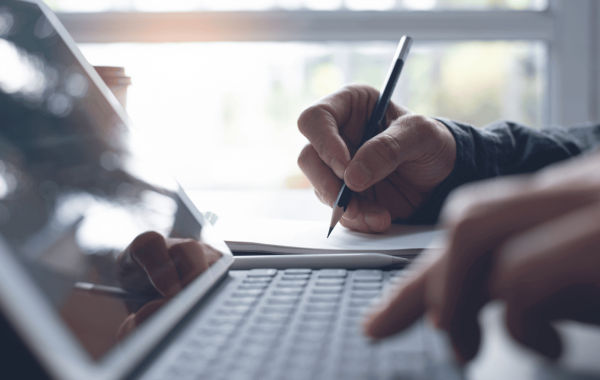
301 237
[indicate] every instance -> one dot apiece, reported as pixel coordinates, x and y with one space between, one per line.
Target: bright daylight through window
231 107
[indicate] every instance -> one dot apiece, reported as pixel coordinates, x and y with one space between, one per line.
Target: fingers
482 220
326 184
549 273
532 331
149 250
366 216
343 113
408 138
320 125
402 310
165 265
189 259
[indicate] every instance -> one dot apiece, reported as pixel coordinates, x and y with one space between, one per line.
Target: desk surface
499 357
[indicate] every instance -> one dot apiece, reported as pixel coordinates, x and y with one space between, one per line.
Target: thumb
381 155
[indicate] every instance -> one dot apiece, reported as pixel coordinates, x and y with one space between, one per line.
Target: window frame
569 28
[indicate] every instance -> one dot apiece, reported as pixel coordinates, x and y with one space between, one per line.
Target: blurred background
218 85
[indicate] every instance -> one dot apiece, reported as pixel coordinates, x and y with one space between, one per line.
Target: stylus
376 119
112 291
320 261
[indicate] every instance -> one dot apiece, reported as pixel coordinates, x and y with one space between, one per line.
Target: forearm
505 148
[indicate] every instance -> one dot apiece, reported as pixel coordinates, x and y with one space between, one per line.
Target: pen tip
329 233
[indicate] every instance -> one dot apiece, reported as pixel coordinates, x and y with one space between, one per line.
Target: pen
320 261
377 117
111 291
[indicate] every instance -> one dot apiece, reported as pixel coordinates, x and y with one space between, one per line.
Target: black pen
377 117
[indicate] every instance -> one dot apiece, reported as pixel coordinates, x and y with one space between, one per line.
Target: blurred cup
116 80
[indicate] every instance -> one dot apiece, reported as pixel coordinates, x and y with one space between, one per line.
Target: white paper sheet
297 237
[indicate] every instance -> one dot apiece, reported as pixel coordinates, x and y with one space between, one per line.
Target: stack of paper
297 237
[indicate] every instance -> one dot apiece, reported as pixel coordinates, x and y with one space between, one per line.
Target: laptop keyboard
295 324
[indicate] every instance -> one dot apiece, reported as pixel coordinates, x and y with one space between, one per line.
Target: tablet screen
76 205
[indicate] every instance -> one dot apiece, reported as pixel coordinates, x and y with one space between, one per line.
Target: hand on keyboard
531 242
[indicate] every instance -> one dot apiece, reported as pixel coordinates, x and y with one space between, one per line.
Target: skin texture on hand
530 241
392 174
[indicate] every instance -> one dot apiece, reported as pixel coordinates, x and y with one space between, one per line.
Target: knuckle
308 117
186 245
387 148
417 121
304 156
322 145
466 223
463 203
144 243
422 125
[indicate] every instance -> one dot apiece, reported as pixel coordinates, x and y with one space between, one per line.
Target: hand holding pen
392 174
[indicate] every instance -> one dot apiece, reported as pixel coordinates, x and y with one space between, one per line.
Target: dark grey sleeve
504 148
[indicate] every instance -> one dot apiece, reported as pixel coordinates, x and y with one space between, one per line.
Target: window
219 88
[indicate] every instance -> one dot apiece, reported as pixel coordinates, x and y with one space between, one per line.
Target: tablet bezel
37 321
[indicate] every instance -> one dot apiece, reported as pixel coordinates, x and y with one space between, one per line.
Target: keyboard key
291 284
277 309
282 300
247 293
330 282
263 330
239 301
292 277
256 345
310 336
228 311
396 279
222 321
324 299
317 317
298 271
367 273
262 272
368 279
321 308
252 286
367 286
213 331
365 294
332 290
271 319
201 349
361 303
332 273
355 312
311 327
287 292
257 280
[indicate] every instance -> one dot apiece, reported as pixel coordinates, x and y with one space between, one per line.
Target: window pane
261 5
231 107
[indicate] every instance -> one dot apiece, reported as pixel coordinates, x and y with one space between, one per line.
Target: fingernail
374 220
337 166
359 174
